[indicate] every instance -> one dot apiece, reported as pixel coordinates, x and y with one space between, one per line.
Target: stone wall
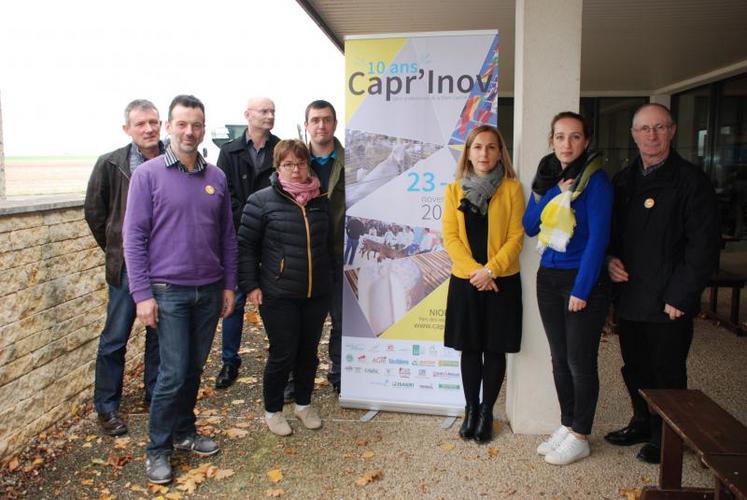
52 309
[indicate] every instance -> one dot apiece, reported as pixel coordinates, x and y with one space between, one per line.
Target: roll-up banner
411 101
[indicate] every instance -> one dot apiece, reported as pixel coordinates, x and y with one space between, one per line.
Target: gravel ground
392 456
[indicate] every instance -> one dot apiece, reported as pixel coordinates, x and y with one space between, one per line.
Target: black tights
486 368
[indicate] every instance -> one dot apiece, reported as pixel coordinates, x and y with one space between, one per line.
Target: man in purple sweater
180 251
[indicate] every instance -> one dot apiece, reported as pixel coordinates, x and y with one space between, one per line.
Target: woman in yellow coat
483 236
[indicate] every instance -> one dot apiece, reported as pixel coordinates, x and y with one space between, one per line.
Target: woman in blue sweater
572 292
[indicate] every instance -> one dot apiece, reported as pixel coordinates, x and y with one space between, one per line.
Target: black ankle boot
484 429
469 422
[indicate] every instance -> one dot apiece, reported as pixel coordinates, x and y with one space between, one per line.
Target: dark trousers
231 331
482 368
574 344
187 317
335 313
294 327
654 357
110 358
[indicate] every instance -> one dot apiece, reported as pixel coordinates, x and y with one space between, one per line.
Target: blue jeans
110 359
350 247
232 328
187 317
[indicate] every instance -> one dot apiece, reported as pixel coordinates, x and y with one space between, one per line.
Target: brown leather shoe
111 424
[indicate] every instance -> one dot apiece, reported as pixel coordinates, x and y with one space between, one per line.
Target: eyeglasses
289 165
657 129
264 111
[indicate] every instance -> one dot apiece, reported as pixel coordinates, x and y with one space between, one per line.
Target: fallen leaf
223 473
174 495
362 442
630 493
321 381
37 461
122 443
86 445
157 488
86 482
252 317
367 454
188 485
447 446
645 479
242 425
492 452
98 461
369 477
117 461
275 475
497 426
278 492
237 402
138 489
234 433
247 380
290 451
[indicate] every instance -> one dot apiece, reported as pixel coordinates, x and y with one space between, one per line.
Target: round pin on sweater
209 189
649 203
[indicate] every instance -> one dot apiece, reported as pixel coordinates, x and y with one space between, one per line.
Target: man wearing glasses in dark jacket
663 248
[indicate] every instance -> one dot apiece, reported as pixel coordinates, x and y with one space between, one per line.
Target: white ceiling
637 46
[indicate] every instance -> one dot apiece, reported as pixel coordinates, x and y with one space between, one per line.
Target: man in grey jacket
106 199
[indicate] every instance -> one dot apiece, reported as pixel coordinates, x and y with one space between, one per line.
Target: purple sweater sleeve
229 244
138 223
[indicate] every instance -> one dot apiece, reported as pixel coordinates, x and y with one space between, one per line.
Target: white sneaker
569 451
553 441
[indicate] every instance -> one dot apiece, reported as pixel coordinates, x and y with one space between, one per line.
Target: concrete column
547 80
2 156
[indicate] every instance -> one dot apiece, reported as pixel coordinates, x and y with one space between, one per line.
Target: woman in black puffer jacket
284 268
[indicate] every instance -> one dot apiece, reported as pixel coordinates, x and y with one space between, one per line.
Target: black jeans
655 357
294 327
574 344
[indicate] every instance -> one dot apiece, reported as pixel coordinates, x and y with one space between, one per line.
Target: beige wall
52 309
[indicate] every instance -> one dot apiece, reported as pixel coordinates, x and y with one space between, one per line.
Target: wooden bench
693 419
730 473
725 279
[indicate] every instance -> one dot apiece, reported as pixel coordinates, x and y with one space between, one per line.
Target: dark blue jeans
335 335
574 344
187 317
232 328
110 359
350 247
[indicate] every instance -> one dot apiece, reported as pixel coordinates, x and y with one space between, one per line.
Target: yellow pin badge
649 203
209 189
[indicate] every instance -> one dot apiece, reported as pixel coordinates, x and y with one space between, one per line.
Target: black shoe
484 429
634 433
650 453
111 424
226 377
469 422
334 378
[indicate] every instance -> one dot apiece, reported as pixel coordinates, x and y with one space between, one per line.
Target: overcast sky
68 68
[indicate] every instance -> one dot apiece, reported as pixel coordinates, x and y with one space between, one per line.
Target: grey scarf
479 190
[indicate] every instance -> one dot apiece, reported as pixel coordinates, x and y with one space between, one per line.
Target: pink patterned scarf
302 192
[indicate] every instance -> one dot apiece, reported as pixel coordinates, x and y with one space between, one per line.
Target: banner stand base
401 407
447 422
369 415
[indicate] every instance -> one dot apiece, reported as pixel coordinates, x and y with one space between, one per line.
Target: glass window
729 173
692 115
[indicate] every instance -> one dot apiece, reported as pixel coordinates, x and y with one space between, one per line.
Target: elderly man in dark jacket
106 199
664 246
247 163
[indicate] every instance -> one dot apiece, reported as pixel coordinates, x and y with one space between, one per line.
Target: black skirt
484 321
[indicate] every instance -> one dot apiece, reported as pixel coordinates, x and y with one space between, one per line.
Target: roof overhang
634 47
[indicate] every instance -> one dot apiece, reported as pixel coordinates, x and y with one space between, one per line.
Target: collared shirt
173 161
137 158
323 168
257 155
650 170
